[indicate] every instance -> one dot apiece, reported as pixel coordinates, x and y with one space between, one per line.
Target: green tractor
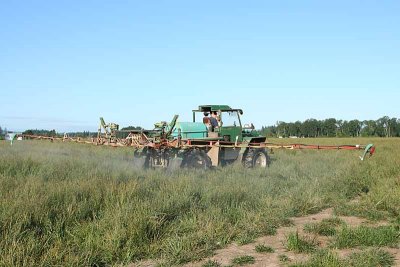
215 137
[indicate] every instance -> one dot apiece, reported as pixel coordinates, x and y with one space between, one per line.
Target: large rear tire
256 158
196 159
141 160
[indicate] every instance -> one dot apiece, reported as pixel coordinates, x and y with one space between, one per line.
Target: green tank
190 130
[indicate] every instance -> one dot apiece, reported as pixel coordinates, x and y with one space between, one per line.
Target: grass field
66 204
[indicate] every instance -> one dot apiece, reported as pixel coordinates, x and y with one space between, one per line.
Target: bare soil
226 255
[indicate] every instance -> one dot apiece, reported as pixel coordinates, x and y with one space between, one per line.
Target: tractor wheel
196 159
256 158
141 160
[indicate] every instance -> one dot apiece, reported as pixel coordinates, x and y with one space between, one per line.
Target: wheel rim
199 162
196 160
260 160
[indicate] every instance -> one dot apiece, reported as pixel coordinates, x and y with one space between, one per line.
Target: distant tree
383 126
339 127
269 131
369 128
310 128
398 128
51 133
392 126
329 127
304 129
281 128
84 134
28 132
354 128
297 125
292 129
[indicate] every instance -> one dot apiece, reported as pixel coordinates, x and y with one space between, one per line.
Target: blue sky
65 63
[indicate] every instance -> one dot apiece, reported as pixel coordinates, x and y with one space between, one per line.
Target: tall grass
365 258
367 236
71 204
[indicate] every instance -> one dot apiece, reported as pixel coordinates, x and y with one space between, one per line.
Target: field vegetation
67 204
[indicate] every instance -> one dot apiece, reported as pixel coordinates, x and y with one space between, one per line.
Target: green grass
322 258
366 258
261 248
211 263
370 258
246 237
243 260
70 204
327 227
283 258
300 244
367 236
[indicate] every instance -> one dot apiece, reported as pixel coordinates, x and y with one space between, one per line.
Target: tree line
53 133
48 133
382 127
83 134
2 133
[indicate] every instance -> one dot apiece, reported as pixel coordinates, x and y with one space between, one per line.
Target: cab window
230 118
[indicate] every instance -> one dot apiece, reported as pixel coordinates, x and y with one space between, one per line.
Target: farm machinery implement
215 137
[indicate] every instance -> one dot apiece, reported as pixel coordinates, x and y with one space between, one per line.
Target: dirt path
226 255
277 242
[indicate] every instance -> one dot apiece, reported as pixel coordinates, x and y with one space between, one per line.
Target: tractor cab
229 127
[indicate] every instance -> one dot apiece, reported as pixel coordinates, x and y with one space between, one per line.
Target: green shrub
370 258
283 258
322 258
327 227
260 248
299 244
243 260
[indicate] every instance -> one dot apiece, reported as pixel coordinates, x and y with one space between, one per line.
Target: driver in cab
211 122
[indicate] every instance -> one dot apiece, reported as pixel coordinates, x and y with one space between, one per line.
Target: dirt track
226 255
